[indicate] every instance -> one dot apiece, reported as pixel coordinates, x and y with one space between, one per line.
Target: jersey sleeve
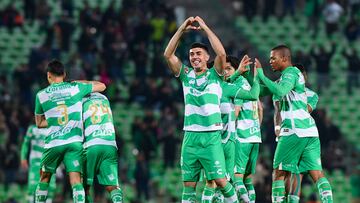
183 72
26 144
281 88
85 88
38 108
238 92
313 101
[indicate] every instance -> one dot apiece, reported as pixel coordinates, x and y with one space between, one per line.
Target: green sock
325 192
293 199
229 193
41 192
88 199
188 195
78 193
251 190
207 194
116 195
240 188
218 197
278 191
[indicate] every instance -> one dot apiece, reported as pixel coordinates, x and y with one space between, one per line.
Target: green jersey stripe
205 110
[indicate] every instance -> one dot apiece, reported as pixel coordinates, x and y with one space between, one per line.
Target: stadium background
121 43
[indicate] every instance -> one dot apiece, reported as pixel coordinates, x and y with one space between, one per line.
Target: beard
198 69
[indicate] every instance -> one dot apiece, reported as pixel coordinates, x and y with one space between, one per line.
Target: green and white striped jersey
227 110
98 121
248 124
62 105
312 98
34 139
293 103
202 94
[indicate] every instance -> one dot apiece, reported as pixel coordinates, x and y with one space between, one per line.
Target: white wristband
277 127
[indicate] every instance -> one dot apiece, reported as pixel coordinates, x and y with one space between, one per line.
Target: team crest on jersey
186 70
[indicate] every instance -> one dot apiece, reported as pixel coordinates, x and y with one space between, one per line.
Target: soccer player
203 89
293 190
299 139
228 132
249 115
34 144
100 146
58 107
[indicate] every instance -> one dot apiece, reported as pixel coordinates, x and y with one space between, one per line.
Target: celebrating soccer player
298 139
59 108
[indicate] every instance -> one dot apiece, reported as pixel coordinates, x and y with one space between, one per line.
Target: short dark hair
234 61
56 67
199 45
300 67
285 50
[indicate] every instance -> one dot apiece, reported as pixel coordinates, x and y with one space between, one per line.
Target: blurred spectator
43 14
23 80
11 17
66 29
354 7
303 58
168 126
322 60
288 7
67 7
249 9
353 69
269 9
30 9
332 13
11 164
142 177
352 29
313 11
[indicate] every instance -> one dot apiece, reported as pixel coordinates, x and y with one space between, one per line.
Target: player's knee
279 174
45 176
110 188
211 183
221 182
189 184
316 175
74 177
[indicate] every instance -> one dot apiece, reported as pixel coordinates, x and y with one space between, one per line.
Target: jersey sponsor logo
76 163
254 130
60 96
219 171
60 133
103 132
57 88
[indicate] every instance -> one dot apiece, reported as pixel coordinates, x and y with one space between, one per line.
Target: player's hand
245 61
24 164
188 24
257 63
202 24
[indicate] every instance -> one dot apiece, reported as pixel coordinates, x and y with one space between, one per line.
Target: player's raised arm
216 44
278 89
169 53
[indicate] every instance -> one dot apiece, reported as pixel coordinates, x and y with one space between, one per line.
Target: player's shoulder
95 96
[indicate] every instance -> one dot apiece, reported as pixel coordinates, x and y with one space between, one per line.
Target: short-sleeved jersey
202 94
248 124
293 107
34 139
98 121
61 103
312 98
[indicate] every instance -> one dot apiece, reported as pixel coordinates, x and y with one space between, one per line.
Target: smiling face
198 59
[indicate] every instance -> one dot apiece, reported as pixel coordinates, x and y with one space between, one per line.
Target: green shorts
229 154
34 176
297 154
101 160
202 150
246 157
69 154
